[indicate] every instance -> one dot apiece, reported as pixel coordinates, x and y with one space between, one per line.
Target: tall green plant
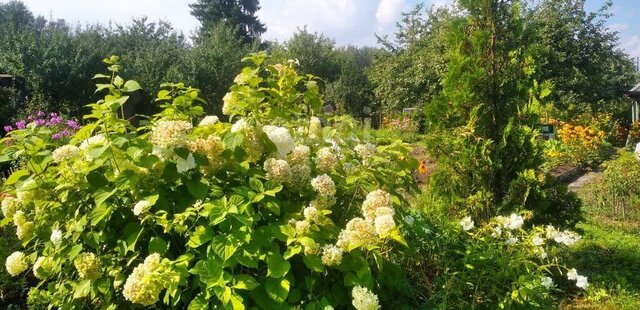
482 123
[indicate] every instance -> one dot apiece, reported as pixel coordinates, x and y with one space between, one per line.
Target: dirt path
584 179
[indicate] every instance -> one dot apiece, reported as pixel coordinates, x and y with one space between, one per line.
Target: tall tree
238 14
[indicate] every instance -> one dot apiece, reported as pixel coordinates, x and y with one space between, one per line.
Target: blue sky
347 21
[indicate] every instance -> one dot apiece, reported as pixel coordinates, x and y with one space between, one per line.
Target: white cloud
388 12
631 45
618 27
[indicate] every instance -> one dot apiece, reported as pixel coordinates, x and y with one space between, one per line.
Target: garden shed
634 93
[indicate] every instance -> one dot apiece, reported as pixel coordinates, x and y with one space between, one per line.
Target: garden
285 185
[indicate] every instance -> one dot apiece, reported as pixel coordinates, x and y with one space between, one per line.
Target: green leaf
278 266
97 179
314 262
198 188
131 86
200 236
244 282
131 233
224 247
100 212
256 185
16 176
217 213
209 271
278 289
157 245
82 289
199 303
232 140
102 194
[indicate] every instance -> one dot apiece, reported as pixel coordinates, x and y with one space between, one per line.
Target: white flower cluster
377 208
208 121
581 281
143 285
302 227
16 263
547 282
509 223
88 266
211 146
277 170
240 125
300 155
315 128
26 191
97 140
331 255
565 237
65 153
300 176
364 299
230 104
326 160
169 134
366 152
56 237
24 229
141 207
358 232
466 223
9 206
281 137
310 213
42 267
324 185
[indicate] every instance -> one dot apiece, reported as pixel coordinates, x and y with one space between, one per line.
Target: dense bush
272 211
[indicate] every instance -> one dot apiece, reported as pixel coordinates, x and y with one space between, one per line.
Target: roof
634 92
6 76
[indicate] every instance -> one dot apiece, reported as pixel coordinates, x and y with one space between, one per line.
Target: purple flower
41 114
21 124
30 118
53 114
72 123
8 128
65 133
40 122
56 136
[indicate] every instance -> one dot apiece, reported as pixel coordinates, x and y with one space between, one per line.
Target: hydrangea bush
269 210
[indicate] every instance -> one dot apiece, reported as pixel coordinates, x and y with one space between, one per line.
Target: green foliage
408 72
581 57
214 215
236 14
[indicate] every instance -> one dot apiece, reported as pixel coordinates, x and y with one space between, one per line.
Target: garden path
584 179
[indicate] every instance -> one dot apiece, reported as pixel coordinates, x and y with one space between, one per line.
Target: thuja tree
483 122
271 211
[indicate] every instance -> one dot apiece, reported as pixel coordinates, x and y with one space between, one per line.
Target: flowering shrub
48 127
584 145
268 211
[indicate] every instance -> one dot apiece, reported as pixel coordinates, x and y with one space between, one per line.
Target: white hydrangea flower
581 282
302 227
300 155
310 214
169 134
324 185
9 206
364 299
365 150
42 267
331 255
25 192
315 128
143 286
230 103
97 140
141 207
551 232
384 224
64 153
56 237
326 160
208 121
300 176
374 201
541 252
16 263
240 126
88 266
277 170
357 232
466 223
281 137
547 282
572 274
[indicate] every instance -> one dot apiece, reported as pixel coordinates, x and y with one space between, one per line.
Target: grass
609 254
